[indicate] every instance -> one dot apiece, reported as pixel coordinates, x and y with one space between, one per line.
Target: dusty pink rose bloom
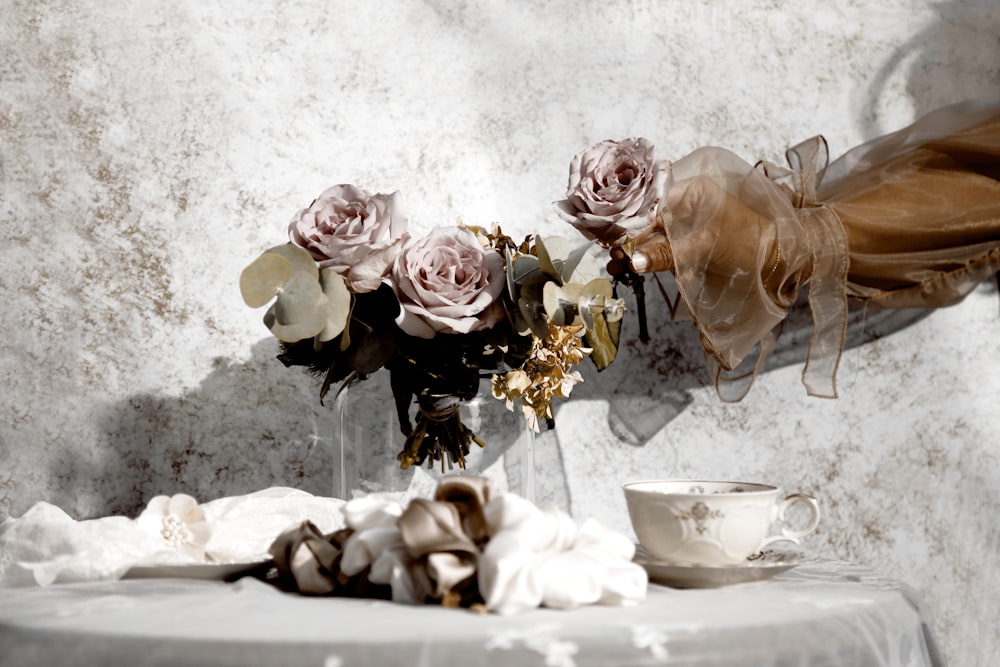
355 233
615 188
447 282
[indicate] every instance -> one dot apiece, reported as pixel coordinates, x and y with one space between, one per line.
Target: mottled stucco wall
148 151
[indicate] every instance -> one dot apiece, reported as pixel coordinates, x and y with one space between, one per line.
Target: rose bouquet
353 293
614 197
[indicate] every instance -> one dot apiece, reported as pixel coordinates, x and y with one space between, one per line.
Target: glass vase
368 440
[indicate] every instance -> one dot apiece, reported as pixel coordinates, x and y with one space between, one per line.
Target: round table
823 612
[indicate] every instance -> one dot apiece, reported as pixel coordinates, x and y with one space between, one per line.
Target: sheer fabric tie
830 262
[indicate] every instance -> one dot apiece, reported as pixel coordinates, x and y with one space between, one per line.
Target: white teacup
710 523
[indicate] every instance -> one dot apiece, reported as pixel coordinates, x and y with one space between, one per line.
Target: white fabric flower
377 543
180 521
538 556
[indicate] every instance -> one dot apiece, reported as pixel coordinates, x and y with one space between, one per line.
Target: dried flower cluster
547 373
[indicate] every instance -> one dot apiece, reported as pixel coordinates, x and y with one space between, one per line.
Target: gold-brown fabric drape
909 219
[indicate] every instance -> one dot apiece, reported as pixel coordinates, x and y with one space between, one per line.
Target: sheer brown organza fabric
909 219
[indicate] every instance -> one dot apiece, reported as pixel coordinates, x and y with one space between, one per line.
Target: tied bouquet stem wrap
910 219
354 293
439 434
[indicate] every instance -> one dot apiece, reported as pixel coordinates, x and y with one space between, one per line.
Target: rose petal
614 190
446 282
346 225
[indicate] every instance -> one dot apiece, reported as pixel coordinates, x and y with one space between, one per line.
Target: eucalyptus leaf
339 298
599 289
521 268
585 306
594 296
552 297
525 268
300 259
580 266
300 311
556 299
291 333
519 322
508 259
547 258
299 300
261 280
614 309
531 306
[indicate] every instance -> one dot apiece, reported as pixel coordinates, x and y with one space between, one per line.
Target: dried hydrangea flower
546 374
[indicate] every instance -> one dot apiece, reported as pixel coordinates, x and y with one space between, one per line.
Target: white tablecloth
820 613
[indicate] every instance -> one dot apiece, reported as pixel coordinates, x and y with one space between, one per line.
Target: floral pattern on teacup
698 488
700 513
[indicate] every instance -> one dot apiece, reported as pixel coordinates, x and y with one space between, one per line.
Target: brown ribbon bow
442 540
828 277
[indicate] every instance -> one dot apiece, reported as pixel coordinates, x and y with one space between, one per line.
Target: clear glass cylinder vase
368 440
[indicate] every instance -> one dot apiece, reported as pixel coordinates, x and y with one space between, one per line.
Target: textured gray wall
148 151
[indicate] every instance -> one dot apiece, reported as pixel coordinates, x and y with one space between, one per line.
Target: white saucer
681 575
210 571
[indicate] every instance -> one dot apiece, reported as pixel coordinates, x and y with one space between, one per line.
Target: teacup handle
788 534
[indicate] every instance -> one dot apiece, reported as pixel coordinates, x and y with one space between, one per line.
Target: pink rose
447 282
356 234
615 188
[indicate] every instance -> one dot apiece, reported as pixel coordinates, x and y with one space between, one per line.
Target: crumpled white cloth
45 545
536 556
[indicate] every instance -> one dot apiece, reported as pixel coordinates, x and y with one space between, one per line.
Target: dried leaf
371 351
603 339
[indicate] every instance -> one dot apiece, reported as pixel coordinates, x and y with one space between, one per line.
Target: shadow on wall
246 427
257 424
651 383
956 58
